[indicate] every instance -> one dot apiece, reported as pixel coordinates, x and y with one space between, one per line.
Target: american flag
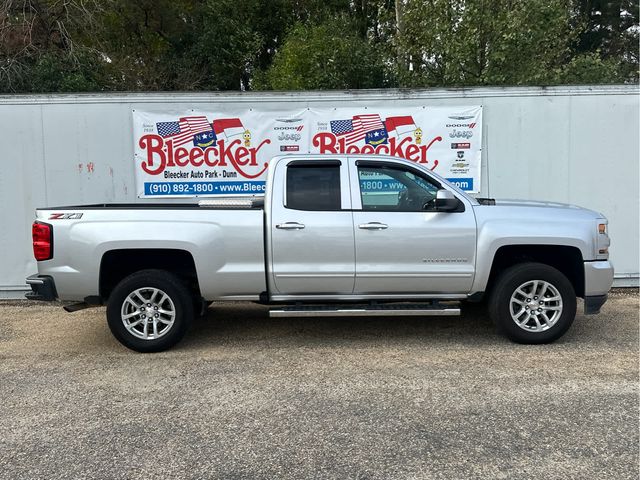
356 129
182 132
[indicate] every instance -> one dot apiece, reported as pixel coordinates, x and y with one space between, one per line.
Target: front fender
494 234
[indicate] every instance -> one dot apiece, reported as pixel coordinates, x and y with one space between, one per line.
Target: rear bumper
42 288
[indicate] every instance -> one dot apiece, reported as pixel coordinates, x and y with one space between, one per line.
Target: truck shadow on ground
42 329
250 325
233 325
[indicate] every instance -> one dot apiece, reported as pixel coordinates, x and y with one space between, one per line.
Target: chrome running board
378 310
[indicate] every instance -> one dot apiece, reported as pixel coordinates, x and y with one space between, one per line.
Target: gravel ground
246 396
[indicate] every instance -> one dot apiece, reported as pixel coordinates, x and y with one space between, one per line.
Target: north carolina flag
229 127
400 125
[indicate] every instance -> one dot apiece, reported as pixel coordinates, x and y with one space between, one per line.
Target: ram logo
65 216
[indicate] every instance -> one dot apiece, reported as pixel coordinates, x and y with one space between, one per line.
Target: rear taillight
42 241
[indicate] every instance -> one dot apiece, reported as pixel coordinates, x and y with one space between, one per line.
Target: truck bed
225 242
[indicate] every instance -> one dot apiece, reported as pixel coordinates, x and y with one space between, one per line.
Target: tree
515 42
201 45
93 45
607 35
477 42
44 46
326 56
181 44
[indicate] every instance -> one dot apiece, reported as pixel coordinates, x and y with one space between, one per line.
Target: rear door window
313 187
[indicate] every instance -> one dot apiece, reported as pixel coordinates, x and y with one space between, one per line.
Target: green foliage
80 73
102 45
607 34
590 68
477 42
326 56
226 45
52 72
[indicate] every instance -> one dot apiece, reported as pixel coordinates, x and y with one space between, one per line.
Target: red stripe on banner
222 124
399 121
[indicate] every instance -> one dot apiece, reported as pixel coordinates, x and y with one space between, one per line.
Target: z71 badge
65 216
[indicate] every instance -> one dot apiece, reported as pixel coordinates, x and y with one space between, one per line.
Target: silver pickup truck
332 236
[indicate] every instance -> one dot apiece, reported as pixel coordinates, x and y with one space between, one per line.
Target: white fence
575 145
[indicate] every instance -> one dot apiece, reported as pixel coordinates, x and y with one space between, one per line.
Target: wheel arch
566 259
117 264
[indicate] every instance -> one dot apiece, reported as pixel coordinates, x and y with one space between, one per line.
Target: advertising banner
207 153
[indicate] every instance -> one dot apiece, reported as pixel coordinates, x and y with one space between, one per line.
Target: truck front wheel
149 311
532 303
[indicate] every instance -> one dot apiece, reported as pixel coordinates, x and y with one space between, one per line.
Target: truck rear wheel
149 311
532 303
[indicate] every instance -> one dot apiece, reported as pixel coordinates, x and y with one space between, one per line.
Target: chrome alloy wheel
535 306
148 313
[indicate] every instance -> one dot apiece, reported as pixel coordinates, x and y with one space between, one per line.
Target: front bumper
598 278
42 288
593 304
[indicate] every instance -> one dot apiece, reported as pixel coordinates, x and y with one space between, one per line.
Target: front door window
390 189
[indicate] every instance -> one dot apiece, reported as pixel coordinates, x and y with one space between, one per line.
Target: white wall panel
22 185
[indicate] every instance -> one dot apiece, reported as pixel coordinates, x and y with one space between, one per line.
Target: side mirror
446 201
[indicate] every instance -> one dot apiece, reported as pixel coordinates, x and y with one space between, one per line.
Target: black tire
517 276
180 303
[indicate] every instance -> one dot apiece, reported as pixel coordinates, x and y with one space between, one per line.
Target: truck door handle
290 226
373 226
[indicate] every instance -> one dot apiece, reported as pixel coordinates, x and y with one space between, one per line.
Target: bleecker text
328 143
161 154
